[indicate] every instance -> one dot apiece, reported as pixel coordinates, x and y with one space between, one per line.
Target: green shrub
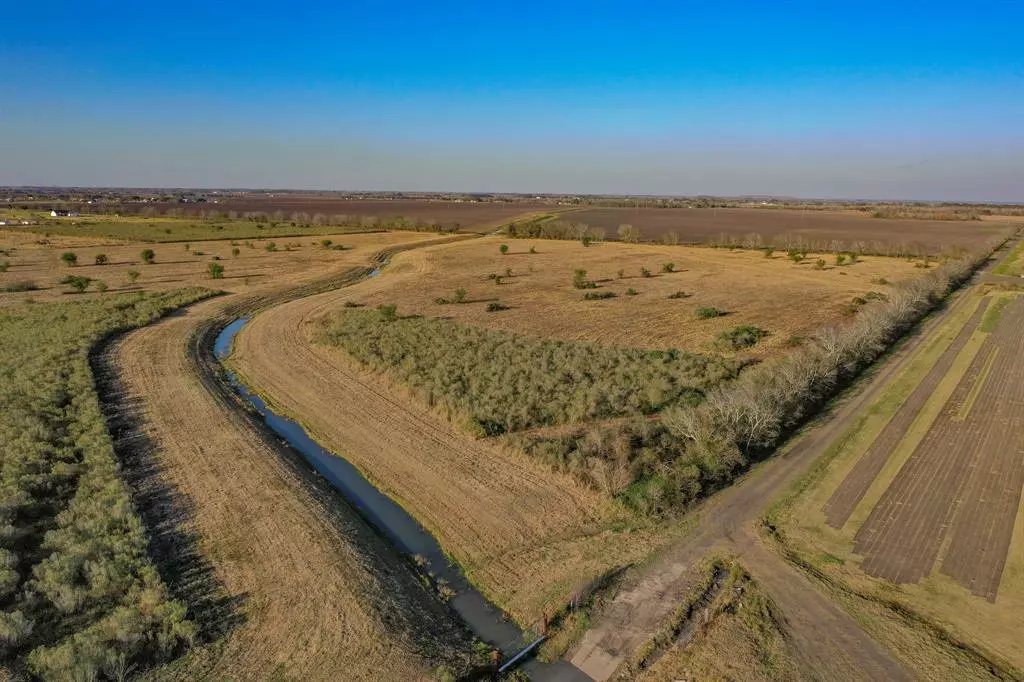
460 295
388 313
326 243
70 258
580 281
708 312
76 282
132 275
101 286
668 267
503 249
271 247
533 249
148 256
631 292
235 251
680 294
768 252
101 259
598 295
840 259
880 280
13 287
741 337
644 272
876 296
4 265
495 306
215 270
819 264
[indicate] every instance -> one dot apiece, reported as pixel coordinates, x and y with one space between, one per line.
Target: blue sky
875 100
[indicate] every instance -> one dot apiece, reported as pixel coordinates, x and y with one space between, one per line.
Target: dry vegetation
80 595
542 300
248 266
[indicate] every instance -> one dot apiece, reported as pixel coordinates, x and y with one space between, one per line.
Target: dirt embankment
306 588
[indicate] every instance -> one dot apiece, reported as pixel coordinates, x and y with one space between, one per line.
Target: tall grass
79 596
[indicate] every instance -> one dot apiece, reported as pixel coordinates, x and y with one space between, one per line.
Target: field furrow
855 486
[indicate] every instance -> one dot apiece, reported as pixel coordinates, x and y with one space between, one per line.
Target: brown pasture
773 293
38 260
819 228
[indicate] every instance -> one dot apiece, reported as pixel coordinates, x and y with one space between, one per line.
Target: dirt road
829 640
306 588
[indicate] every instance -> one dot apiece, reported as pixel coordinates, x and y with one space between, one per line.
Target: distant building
63 213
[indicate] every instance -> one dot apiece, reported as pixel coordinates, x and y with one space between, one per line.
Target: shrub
876 296
326 243
76 282
69 258
215 270
508 272
101 286
533 249
495 306
739 338
580 281
148 256
4 265
880 280
388 313
706 313
235 251
668 267
271 247
795 256
503 249
768 252
132 275
644 272
840 259
598 295
197 252
631 292
680 294
101 259
819 264
350 304
14 287
586 240
620 274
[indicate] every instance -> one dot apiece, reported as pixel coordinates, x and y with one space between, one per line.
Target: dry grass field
773 293
35 259
698 225
920 504
526 536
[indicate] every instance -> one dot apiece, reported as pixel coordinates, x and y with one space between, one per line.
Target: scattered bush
503 249
876 296
148 256
880 280
819 264
840 259
271 247
101 286
101 259
644 272
351 304
708 312
739 338
795 255
768 251
631 292
533 249
495 306
326 243
680 294
580 281
215 270
668 267
235 251
621 273
70 258
77 282
132 275
586 240
598 295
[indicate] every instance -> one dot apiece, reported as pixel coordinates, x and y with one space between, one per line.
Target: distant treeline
79 596
550 227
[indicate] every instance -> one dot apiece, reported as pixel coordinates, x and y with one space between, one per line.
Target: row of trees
665 465
505 382
79 596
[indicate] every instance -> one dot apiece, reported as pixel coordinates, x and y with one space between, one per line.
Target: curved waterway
484 619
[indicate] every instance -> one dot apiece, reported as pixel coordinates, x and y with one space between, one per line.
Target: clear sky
820 99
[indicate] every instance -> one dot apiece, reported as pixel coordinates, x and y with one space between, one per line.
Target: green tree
504 249
69 258
216 270
132 275
78 283
460 295
148 256
101 259
101 286
235 251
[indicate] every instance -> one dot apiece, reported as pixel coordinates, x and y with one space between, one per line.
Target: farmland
920 503
827 230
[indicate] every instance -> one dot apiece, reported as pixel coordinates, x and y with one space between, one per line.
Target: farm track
487 505
314 589
966 476
828 640
855 486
